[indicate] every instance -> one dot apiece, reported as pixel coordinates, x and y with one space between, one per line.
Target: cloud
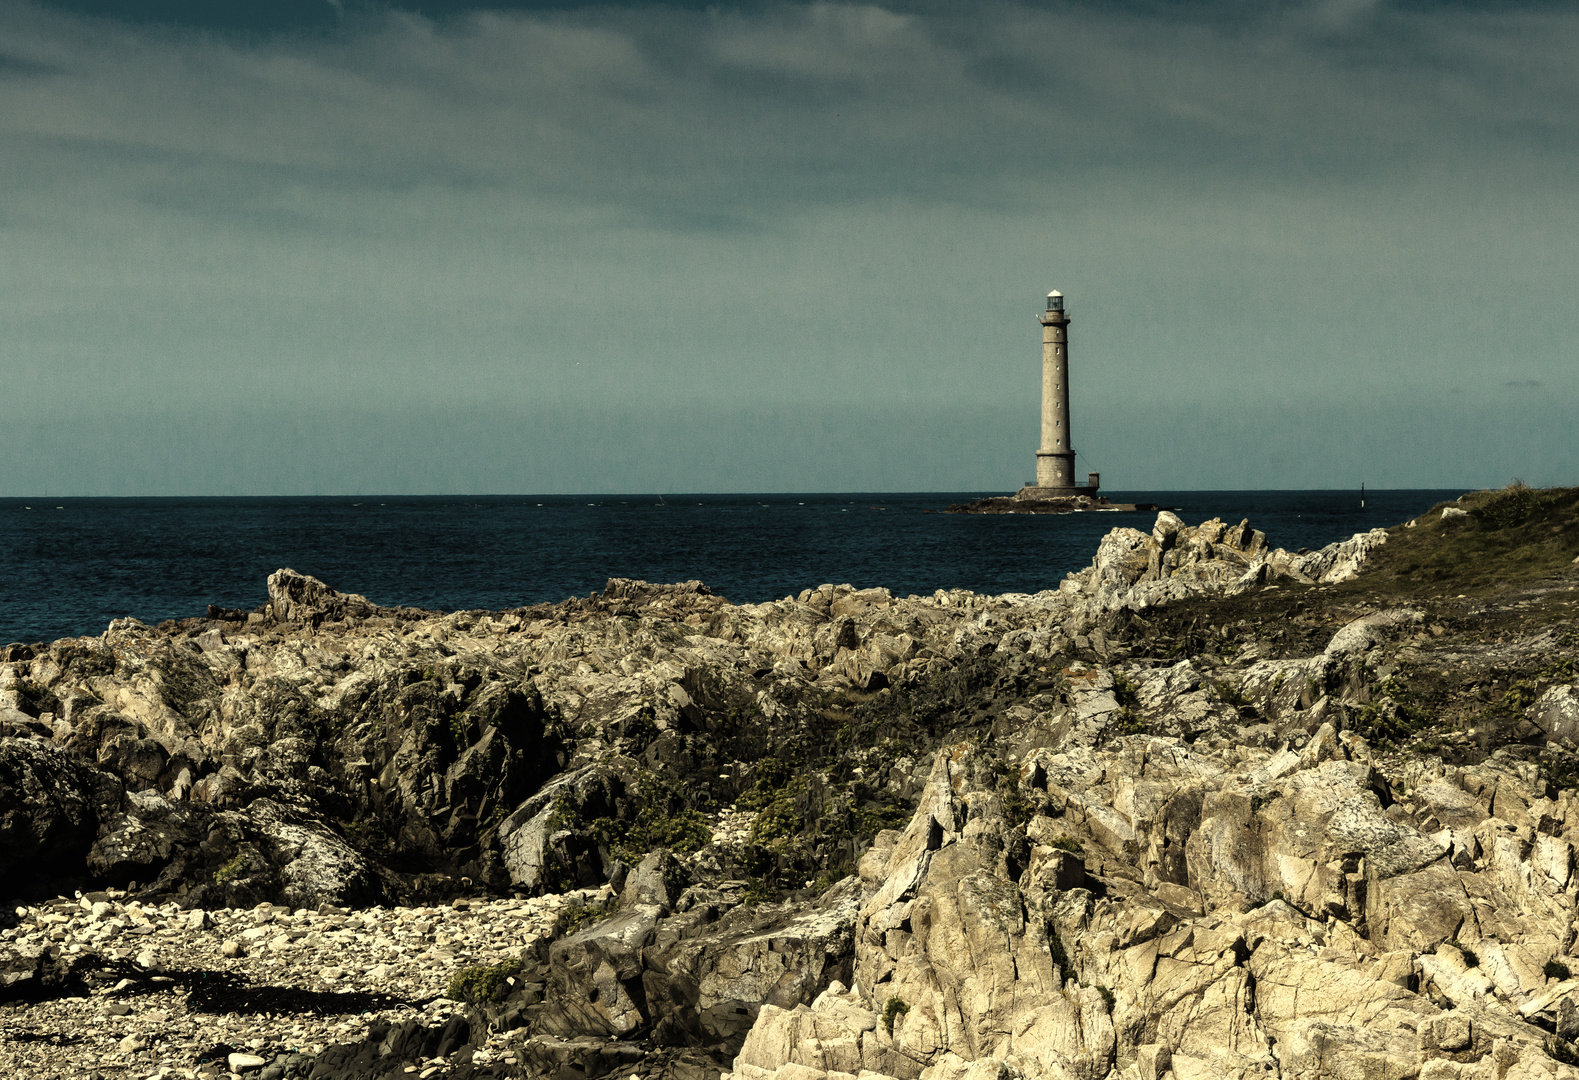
786 106
794 206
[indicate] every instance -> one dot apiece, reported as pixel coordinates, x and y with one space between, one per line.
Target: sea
70 565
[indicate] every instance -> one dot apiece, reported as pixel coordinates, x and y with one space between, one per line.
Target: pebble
147 1026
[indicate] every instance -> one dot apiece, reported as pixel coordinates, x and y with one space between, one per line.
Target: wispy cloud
801 203
796 104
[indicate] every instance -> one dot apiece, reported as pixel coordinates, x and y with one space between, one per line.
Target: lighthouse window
1058 350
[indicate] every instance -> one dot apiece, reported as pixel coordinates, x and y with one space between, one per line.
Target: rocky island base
1073 504
1206 809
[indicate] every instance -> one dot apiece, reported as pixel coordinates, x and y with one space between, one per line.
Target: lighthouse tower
1055 461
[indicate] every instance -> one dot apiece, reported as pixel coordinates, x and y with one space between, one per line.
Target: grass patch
232 870
476 985
590 914
1127 722
1006 779
1124 691
1511 535
893 1009
1395 717
663 820
1226 693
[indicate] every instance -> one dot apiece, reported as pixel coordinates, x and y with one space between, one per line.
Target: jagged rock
1312 928
297 597
1365 632
1136 572
50 806
1143 836
701 974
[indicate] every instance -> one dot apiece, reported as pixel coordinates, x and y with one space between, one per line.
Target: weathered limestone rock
1314 925
1133 571
1138 840
297 597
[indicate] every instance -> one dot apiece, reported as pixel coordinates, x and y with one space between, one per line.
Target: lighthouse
1055 460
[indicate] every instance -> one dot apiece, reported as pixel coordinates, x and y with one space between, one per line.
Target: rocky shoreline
1208 808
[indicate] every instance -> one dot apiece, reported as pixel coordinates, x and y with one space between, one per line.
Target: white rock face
1557 714
1135 571
1315 925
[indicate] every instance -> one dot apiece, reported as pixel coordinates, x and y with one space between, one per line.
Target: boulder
50 807
1557 714
297 597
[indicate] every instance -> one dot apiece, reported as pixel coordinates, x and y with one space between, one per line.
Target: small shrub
777 821
893 1009
590 914
1055 948
683 831
563 815
1556 969
1520 696
1226 693
642 728
1558 1050
1471 958
1127 722
1107 997
758 891
231 870
475 985
1124 690
1069 844
772 776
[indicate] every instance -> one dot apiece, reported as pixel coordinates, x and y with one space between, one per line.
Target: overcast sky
303 247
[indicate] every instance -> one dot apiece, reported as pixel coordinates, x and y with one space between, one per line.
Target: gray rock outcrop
1153 822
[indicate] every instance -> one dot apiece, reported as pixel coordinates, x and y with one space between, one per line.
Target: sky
304 247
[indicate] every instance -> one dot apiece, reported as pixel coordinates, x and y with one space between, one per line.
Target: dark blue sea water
69 566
